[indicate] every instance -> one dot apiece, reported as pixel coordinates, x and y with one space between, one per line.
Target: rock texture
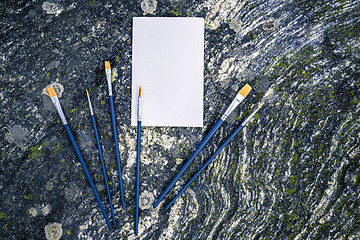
292 173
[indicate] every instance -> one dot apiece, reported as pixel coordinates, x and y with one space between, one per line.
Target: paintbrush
238 99
113 120
101 156
57 105
213 156
138 146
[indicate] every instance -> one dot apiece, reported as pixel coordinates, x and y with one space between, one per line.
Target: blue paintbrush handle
113 121
82 162
103 167
189 161
205 165
138 145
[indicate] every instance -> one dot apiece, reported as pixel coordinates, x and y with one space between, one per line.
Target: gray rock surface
292 173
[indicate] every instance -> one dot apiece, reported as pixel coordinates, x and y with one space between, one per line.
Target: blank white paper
167 61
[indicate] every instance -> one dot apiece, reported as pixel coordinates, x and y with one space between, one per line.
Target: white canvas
167 61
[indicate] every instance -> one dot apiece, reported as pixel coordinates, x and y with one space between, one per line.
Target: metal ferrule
108 78
57 105
90 106
139 109
238 99
251 115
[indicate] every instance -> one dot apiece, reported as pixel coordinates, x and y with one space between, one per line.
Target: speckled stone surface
292 173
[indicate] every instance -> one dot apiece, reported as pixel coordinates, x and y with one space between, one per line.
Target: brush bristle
107 65
87 92
51 92
140 91
245 90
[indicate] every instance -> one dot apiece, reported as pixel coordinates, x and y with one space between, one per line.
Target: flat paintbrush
113 121
212 157
238 99
101 156
57 105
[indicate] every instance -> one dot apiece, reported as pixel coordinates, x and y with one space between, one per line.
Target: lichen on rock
236 24
33 212
17 134
53 231
146 199
149 6
52 8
